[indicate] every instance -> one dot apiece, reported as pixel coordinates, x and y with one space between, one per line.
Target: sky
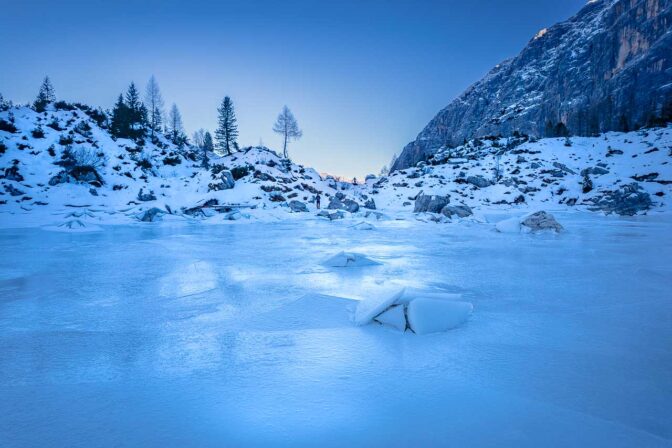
361 77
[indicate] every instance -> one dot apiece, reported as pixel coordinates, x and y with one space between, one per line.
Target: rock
432 316
521 159
370 204
479 181
629 200
276 197
520 199
144 197
331 216
586 184
13 191
151 215
12 173
430 203
93 192
595 170
563 167
339 202
60 178
227 180
298 206
461 211
540 221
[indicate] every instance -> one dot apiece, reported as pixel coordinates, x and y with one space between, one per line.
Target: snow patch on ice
348 260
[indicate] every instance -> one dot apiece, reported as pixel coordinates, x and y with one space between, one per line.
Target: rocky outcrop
606 68
430 203
628 200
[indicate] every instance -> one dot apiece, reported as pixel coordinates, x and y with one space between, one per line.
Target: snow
569 344
433 316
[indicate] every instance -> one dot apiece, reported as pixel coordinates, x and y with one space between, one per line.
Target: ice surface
569 344
433 316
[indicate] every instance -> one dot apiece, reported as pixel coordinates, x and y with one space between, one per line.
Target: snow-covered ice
168 334
348 260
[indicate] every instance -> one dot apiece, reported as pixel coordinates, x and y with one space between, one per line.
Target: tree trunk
284 148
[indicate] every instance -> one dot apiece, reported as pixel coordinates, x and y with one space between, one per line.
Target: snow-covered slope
581 172
39 185
61 169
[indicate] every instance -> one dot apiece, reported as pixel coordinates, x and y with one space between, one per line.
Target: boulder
144 197
370 204
540 221
430 203
479 181
298 206
60 178
227 181
461 211
629 200
13 191
12 173
339 202
331 216
151 215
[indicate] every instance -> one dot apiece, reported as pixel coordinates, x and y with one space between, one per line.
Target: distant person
317 200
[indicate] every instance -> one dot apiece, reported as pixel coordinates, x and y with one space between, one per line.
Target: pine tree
198 138
227 130
154 104
207 148
45 96
287 126
119 124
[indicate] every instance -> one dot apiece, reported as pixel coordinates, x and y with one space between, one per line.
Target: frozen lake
233 335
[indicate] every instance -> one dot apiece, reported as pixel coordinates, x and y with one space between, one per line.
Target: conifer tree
287 126
119 122
227 130
208 147
45 96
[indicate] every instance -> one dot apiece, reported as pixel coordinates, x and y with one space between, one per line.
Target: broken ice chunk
373 306
394 316
432 316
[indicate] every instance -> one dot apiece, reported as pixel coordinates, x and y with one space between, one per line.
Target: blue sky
362 77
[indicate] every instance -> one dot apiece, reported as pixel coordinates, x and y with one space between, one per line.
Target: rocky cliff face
607 68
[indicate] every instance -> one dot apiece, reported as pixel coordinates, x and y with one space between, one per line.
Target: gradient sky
362 77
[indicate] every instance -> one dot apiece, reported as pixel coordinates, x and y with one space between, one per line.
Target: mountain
607 68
